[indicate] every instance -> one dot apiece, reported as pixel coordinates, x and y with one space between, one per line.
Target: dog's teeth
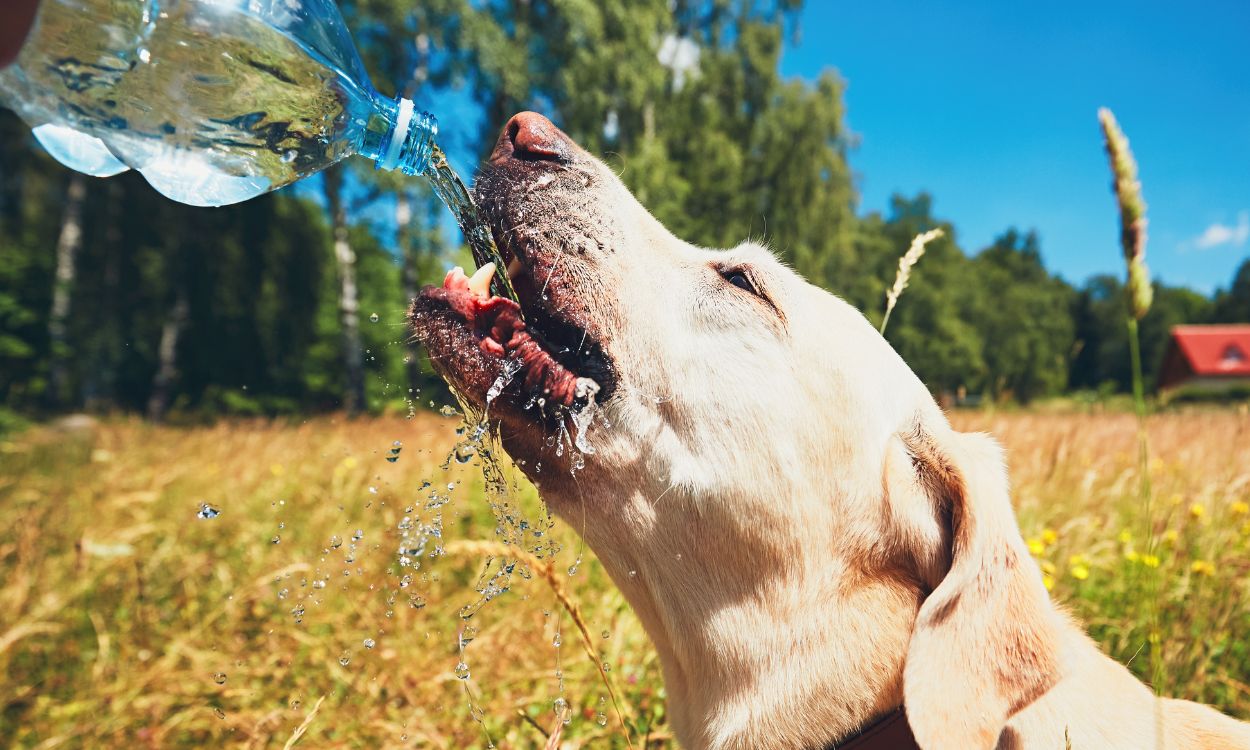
455 279
514 268
479 283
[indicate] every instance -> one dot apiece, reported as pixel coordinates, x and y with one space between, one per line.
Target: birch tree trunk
349 304
167 357
67 246
409 251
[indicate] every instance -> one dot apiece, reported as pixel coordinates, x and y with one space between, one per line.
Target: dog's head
753 442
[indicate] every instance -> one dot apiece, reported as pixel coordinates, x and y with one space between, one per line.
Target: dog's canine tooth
479 283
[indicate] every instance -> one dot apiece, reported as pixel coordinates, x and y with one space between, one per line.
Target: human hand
16 17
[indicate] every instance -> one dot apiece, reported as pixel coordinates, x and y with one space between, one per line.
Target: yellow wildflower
1048 567
1202 568
1169 537
1239 508
1196 510
1131 555
1049 536
1036 547
1080 571
1048 581
1125 537
1150 561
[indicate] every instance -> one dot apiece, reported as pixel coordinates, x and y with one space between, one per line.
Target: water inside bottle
213 104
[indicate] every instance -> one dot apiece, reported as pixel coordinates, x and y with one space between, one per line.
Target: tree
62 291
1233 305
1023 319
349 305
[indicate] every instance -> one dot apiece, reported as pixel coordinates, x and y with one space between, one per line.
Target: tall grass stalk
1139 295
905 263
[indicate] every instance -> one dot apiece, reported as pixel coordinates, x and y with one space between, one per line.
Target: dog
807 541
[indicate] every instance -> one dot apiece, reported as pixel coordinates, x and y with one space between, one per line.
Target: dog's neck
765 640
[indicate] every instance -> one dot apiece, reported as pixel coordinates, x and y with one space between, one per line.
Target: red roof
1215 350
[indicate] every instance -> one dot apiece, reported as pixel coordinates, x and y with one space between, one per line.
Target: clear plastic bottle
213 101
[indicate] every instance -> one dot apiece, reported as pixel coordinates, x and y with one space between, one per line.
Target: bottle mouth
411 141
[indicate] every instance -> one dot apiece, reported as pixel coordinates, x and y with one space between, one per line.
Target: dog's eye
740 280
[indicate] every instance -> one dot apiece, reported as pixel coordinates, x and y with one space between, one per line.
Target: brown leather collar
890 732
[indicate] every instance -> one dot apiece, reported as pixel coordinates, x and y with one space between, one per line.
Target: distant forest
112 298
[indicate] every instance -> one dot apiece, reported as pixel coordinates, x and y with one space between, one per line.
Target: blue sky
991 107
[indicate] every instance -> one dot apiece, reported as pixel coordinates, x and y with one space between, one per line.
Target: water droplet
360 534
606 634
556 641
373 490
467 635
559 705
319 583
283 594
220 714
219 678
601 719
447 410
336 541
369 643
295 704
275 539
464 452
633 574
289 155
145 55
416 602
462 670
346 658
207 511
607 667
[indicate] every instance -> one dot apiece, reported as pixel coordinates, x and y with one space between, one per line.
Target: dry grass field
290 619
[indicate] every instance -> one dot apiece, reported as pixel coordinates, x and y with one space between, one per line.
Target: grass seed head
1132 213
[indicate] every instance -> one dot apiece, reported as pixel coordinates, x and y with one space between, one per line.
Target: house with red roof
1212 358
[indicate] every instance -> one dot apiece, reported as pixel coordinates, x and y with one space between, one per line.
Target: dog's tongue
505 335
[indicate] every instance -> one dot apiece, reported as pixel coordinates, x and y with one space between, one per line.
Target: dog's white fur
802 534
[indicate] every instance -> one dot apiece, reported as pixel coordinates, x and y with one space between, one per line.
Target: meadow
300 615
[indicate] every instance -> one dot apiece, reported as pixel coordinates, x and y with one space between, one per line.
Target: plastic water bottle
213 101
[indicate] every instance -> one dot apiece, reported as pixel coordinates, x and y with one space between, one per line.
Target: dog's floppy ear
985 643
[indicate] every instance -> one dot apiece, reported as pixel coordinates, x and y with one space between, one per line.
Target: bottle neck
405 139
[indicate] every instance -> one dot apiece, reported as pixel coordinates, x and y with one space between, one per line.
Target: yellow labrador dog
805 538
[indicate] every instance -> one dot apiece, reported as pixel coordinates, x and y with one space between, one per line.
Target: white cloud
679 54
1224 234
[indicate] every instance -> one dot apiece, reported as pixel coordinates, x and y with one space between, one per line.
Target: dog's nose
532 137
